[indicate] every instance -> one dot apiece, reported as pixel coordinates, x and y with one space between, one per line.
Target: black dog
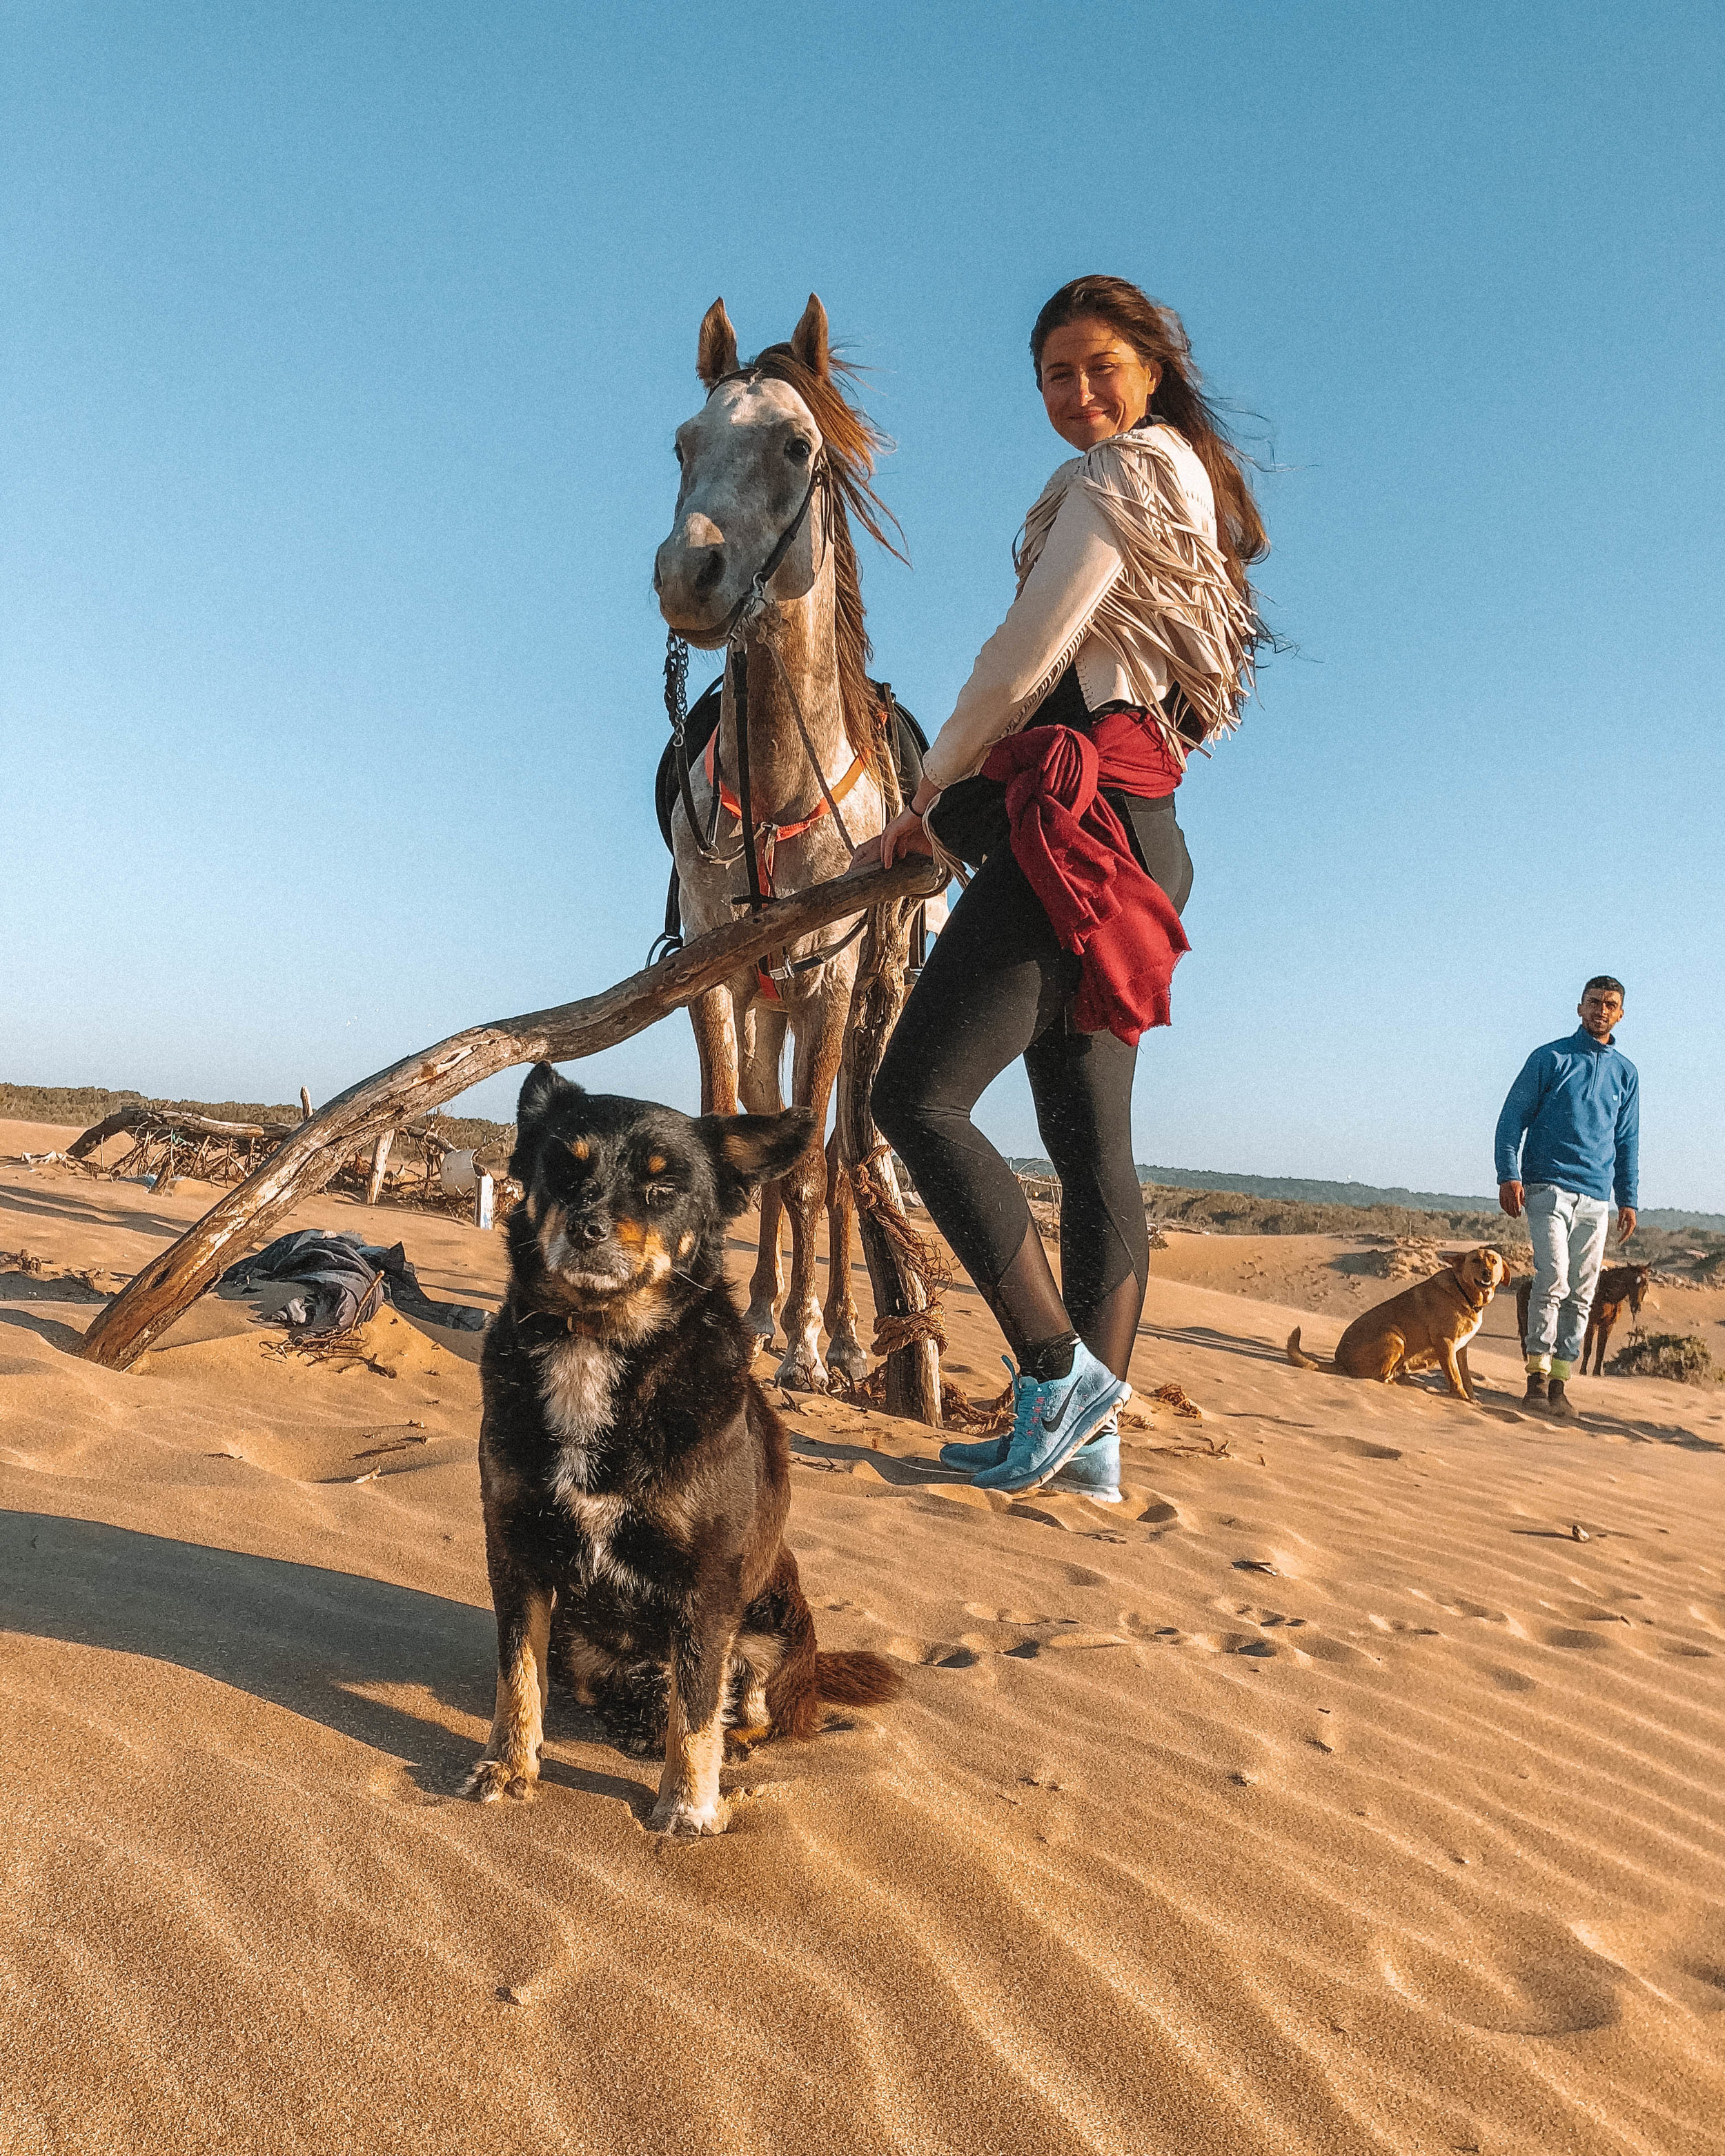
636 1481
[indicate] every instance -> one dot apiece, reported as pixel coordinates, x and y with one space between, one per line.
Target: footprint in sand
1462 1608
1564 1635
1357 1448
1400 1625
1267 1617
1231 1643
934 1653
1564 1993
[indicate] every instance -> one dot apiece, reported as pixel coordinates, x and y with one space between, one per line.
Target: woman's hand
903 835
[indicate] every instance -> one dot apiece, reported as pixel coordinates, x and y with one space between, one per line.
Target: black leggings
997 985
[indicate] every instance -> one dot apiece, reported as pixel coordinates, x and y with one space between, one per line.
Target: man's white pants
1568 1233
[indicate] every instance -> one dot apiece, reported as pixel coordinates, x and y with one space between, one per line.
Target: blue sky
342 356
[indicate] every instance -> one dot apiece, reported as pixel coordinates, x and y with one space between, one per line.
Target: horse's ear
808 339
716 355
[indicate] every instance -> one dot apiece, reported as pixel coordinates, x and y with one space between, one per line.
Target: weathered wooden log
380 1161
913 1370
305 1105
110 1127
311 1153
146 1115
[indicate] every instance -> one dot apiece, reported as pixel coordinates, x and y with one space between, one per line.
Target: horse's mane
852 441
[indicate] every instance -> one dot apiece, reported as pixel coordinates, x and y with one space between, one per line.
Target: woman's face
1094 384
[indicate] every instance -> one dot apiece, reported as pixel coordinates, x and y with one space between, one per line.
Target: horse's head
1639 1277
748 459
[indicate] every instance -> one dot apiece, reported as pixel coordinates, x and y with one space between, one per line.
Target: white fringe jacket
1119 572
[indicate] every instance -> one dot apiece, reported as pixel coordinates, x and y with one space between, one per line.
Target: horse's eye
660 1193
799 449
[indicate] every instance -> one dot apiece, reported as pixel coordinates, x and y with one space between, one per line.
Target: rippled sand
1329 1795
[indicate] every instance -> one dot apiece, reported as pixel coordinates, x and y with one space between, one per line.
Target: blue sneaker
1093 1471
1053 1418
985 1452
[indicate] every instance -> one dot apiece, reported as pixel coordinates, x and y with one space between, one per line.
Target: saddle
910 745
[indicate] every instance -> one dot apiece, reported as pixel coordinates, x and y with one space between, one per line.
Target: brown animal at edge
1618 1288
1429 1326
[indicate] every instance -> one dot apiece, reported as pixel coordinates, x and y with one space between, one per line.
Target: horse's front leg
820 1035
714 1018
844 1350
758 1075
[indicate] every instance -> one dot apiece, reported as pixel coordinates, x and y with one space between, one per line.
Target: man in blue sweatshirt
1577 1106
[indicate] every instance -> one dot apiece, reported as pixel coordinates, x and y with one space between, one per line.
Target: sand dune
1328 1795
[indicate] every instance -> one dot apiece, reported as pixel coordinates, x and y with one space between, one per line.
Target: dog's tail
856 1679
1299 1361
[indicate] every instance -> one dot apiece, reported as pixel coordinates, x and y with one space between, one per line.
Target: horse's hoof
848 1358
758 1319
802 1373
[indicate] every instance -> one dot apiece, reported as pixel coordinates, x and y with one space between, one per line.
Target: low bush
1678 1355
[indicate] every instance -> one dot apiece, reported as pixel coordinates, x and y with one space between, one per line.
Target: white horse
760 562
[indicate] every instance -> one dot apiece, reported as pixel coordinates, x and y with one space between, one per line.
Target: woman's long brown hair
1158 336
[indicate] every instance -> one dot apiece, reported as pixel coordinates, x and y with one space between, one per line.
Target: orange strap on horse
729 802
775 832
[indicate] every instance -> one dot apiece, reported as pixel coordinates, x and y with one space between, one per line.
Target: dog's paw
494 1778
680 1821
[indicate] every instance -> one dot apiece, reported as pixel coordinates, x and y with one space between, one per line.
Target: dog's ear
539 1089
748 1150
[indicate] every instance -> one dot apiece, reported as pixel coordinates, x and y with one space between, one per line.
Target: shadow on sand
301 1638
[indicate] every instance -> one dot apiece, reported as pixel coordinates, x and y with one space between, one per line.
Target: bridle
741 619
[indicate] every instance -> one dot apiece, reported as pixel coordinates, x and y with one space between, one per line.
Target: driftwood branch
380 1161
311 1153
146 1112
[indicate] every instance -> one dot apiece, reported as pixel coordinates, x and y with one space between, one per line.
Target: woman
1130 642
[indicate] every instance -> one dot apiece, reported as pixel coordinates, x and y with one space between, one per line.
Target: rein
742 617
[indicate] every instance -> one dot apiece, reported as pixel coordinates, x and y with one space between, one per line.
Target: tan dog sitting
1427 1327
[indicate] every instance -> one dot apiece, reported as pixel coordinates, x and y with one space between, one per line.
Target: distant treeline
1358 1196
83 1105
1235 1204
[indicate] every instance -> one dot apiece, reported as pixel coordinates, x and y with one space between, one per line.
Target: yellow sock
1560 1371
1537 1365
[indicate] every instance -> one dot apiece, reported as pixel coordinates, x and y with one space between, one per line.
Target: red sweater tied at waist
1075 855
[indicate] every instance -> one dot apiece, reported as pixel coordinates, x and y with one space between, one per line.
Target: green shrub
1678 1355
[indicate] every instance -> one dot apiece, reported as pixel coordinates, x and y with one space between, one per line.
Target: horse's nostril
594 1231
710 573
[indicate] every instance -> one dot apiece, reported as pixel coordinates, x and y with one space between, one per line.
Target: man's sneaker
1093 1471
1052 1418
1559 1405
1535 1388
985 1452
